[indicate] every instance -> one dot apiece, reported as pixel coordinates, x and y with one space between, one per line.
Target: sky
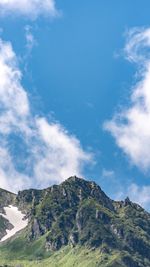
75 95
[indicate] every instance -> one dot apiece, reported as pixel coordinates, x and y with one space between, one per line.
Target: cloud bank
28 8
131 125
33 151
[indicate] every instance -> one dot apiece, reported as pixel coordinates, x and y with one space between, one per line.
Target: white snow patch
16 218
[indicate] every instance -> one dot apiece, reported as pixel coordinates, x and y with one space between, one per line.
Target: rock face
78 212
4 225
6 199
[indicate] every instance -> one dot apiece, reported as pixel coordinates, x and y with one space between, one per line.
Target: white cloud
131 126
10 178
14 105
33 151
59 155
108 173
30 40
28 8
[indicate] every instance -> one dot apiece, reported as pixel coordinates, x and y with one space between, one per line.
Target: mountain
74 224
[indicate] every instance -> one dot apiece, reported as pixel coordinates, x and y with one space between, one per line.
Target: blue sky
78 65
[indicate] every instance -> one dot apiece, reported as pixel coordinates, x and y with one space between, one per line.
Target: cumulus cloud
28 8
14 105
33 151
10 178
131 125
62 152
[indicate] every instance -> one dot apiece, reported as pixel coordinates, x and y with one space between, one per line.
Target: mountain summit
75 220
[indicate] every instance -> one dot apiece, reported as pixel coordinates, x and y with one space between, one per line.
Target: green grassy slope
72 257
